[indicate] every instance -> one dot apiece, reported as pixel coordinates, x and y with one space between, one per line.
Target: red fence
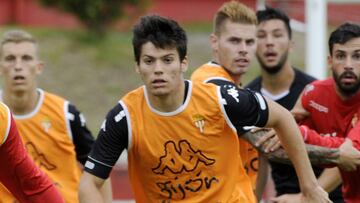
31 13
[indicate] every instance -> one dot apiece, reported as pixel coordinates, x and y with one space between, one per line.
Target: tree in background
97 15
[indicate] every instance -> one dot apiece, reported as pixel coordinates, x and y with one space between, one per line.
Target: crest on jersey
46 124
354 120
199 121
308 88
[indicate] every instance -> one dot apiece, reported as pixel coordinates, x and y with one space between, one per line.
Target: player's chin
160 92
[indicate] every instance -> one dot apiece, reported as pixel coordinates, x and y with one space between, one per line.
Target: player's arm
83 141
318 155
111 141
262 176
274 116
81 135
330 179
345 156
298 111
302 115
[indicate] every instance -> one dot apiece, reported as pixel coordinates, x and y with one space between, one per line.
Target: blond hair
235 12
16 36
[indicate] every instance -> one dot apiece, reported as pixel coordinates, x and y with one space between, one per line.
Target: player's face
345 65
19 65
273 45
161 69
234 47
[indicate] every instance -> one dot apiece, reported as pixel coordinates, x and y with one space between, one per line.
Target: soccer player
282 83
332 106
53 130
18 172
181 136
233 44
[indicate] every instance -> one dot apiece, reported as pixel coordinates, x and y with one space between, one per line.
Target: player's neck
346 97
236 79
23 102
169 102
279 82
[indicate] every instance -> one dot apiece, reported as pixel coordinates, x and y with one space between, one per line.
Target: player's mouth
348 78
19 79
157 83
270 55
242 62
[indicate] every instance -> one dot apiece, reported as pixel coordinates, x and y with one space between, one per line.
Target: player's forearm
106 191
89 189
312 137
262 176
329 179
317 155
292 141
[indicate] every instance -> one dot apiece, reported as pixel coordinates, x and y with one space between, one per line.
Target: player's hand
287 198
269 141
299 114
315 195
349 156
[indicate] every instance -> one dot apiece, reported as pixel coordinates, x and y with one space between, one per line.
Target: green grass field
94 75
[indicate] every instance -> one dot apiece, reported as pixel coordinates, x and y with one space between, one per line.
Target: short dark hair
162 32
270 13
343 33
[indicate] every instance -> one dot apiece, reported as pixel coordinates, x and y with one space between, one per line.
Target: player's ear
184 64
214 41
40 67
330 62
137 68
291 46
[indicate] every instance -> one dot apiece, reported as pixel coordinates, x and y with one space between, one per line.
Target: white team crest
308 88
199 121
46 124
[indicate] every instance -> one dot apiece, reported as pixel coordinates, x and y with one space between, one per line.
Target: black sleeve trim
111 141
82 137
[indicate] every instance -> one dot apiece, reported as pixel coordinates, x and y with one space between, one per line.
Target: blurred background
86 45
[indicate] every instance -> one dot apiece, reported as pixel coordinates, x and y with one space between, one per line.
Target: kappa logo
184 171
38 157
308 88
199 121
178 160
234 93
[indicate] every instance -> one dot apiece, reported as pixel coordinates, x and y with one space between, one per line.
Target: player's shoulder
5 123
4 109
50 95
318 87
